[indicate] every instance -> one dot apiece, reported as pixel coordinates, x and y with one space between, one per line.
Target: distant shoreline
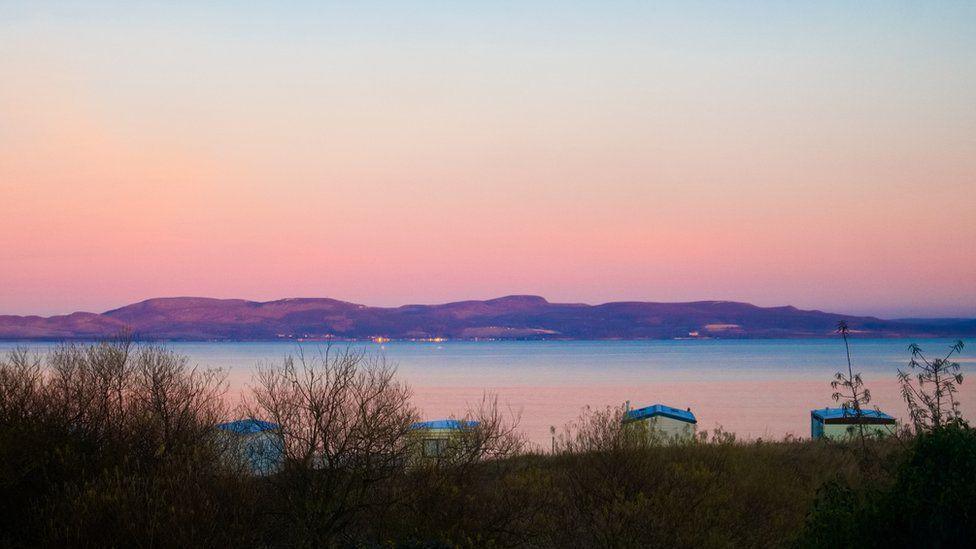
449 341
509 318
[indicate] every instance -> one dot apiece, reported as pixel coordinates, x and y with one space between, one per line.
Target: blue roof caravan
444 424
671 424
435 437
840 423
256 444
247 426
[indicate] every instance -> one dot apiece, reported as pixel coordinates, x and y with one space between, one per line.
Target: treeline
114 444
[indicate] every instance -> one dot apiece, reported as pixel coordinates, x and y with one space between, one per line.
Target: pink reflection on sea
767 410
756 389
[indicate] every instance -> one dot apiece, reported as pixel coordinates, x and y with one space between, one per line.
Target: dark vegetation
926 495
113 444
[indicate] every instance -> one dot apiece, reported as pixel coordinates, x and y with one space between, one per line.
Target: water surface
755 388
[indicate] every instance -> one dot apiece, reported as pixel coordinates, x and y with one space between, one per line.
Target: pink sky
826 161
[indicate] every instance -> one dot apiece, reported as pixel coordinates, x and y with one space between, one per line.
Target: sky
817 154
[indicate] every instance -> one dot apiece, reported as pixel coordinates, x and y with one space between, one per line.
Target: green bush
929 502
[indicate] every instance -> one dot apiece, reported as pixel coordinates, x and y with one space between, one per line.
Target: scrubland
113 444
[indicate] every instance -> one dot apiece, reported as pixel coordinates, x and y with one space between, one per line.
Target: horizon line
501 297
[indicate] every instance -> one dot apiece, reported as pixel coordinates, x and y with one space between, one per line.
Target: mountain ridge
506 317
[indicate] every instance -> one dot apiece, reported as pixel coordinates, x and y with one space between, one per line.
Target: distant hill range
512 317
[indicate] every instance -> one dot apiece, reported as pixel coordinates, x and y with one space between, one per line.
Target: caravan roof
848 415
248 426
444 424
660 410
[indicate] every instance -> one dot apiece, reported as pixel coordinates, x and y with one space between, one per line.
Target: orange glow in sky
824 158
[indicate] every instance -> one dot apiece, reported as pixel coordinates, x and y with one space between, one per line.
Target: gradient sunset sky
817 154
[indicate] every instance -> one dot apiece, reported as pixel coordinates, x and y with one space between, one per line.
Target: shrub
930 502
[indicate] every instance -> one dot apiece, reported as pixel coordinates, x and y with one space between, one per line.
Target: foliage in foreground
929 500
112 445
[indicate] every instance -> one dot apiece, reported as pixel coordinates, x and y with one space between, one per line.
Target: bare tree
931 392
145 397
174 406
21 387
486 434
114 446
90 388
473 489
344 422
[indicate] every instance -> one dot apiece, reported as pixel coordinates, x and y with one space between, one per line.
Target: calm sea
756 389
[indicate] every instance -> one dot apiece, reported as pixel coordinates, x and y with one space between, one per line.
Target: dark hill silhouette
510 317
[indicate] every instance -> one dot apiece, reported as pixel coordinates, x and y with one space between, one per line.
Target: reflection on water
754 388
